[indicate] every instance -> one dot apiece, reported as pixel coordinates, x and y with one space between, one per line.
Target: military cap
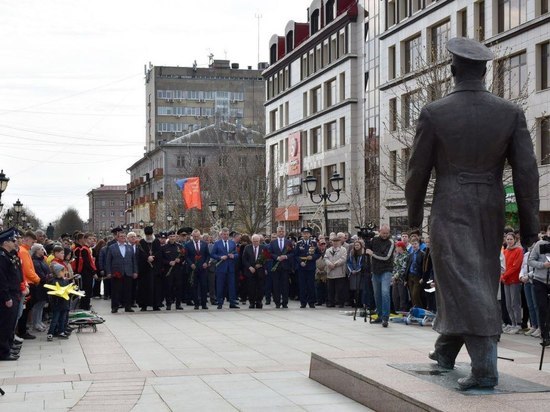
306 229
8 235
187 230
170 233
115 230
163 235
469 49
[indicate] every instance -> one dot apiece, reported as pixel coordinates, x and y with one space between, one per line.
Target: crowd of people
173 269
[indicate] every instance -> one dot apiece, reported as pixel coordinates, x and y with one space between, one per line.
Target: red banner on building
191 192
287 214
294 154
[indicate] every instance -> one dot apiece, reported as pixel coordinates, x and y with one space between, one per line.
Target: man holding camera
539 259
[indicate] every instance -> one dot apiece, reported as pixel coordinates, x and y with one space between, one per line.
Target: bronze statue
467 137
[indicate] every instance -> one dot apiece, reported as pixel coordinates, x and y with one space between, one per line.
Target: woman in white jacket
335 258
526 277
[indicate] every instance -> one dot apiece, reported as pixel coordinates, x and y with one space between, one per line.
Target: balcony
158 173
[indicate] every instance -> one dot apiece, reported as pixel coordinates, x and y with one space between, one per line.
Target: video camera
544 249
366 233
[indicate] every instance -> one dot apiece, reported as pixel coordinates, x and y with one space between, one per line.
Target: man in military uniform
173 256
10 294
467 137
306 254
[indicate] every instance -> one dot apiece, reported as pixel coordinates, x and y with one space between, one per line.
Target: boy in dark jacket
59 305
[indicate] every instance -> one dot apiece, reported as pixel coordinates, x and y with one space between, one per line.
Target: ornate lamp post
17 207
169 220
3 182
141 224
230 206
181 218
311 186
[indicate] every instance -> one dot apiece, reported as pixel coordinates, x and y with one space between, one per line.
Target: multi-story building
180 100
228 159
107 205
414 69
314 115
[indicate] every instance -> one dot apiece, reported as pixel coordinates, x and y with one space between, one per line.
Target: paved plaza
223 360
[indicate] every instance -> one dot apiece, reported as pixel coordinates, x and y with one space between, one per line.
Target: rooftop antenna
210 59
258 16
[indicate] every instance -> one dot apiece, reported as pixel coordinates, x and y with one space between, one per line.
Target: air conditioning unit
201 100
170 100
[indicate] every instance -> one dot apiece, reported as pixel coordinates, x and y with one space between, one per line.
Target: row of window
112 213
322 174
183 161
200 95
196 111
177 127
398 165
103 203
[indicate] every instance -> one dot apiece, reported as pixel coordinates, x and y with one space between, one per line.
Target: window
342 131
330 93
121 203
273 120
311 63
287 109
289 41
318 58
315 100
316 173
411 111
393 114
201 161
103 214
543 7
325 53
405 156
121 213
330 11
544 66
390 13
315 140
413 54
511 76
314 23
511 13
304 145
393 166
416 5
545 140
112 213
391 62
439 37
403 9
304 111
329 171
304 67
111 203
342 42
333 48
342 86
462 23
180 161
103 203
330 136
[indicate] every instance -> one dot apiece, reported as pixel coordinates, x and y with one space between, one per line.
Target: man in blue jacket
225 252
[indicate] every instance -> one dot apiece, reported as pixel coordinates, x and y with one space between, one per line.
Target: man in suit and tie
468 137
282 253
121 268
225 252
254 266
197 257
306 255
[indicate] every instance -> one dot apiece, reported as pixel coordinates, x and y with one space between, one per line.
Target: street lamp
17 207
213 206
181 218
3 182
141 223
336 184
169 219
230 206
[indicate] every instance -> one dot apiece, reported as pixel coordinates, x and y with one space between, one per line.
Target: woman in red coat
513 255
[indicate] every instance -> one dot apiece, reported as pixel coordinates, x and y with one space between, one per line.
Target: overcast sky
72 110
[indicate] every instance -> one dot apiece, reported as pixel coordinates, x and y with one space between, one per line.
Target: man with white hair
254 265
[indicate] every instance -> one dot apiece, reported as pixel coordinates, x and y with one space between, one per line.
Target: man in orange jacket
30 277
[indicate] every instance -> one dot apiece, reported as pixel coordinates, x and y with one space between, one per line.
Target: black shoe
303 306
385 323
196 307
114 310
212 302
330 305
471 382
252 306
179 308
129 310
259 306
312 305
105 298
143 310
234 306
190 304
205 307
545 342
27 335
278 306
10 357
433 355
285 306
220 306
267 302
15 352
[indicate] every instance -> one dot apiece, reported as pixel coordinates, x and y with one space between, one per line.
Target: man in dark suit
150 282
282 253
467 137
121 268
197 258
225 252
255 257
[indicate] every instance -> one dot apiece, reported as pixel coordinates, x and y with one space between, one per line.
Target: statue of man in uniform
467 137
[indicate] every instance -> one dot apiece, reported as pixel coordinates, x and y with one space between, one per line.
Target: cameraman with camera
539 258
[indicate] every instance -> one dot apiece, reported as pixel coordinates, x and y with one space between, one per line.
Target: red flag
191 192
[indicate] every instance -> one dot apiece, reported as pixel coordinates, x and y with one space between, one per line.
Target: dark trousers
368 292
96 290
541 296
200 287
121 292
224 278
107 287
336 291
212 284
415 290
87 287
321 292
306 279
58 322
268 289
280 286
8 319
256 286
173 287
482 351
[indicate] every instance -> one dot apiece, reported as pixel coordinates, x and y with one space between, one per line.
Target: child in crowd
399 290
59 305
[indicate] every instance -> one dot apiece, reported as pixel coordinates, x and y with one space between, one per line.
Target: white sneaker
506 328
536 333
512 330
530 331
18 339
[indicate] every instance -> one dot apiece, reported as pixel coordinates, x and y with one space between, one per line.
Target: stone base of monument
384 384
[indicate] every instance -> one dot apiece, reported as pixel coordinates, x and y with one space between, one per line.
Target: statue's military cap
468 49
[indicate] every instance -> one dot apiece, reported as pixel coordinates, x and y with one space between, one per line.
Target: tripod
545 323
